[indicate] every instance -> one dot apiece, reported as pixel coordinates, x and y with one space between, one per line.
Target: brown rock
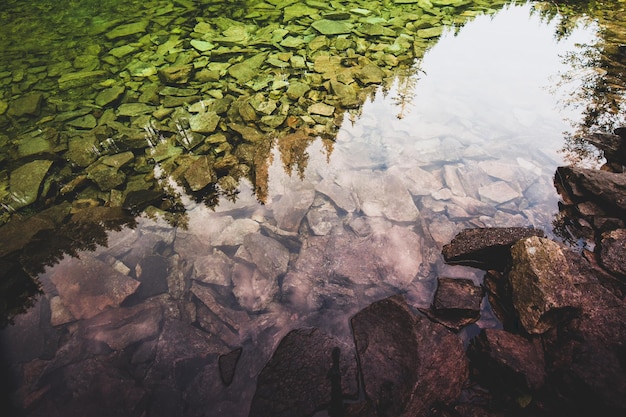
613 250
408 363
88 286
486 248
542 284
304 373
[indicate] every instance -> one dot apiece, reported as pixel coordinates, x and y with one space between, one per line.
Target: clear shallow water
348 222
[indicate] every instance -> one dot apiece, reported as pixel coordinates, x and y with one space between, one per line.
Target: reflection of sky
491 81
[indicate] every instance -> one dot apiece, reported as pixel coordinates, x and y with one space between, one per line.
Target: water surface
329 215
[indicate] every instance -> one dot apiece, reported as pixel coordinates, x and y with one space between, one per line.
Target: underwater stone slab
127 30
176 74
26 181
302 374
341 197
234 233
26 105
134 109
200 174
121 327
253 290
498 192
332 27
214 268
248 69
267 254
88 286
408 363
79 79
370 74
322 109
109 95
291 208
104 176
204 122
85 122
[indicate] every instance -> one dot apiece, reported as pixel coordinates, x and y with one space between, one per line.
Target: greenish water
347 142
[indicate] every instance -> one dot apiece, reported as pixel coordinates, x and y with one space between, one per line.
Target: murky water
350 203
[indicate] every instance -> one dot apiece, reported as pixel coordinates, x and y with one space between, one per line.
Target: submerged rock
88 286
407 362
486 248
308 371
26 181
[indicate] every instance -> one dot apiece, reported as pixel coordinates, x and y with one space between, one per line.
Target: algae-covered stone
370 74
332 27
3 106
81 150
248 69
79 79
200 174
295 11
297 89
176 74
118 160
322 109
104 176
204 122
430 32
127 30
25 182
109 95
134 109
202 46
86 122
26 105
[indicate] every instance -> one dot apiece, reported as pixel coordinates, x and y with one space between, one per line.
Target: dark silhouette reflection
336 407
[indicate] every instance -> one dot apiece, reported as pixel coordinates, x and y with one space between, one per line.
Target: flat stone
267 254
332 27
134 109
204 122
127 30
176 74
248 69
322 109
26 105
110 95
253 290
85 122
104 176
25 182
501 355
88 286
486 248
498 192
381 194
234 233
214 268
79 79
291 208
432 32
200 174
456 303
121 327
370 74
